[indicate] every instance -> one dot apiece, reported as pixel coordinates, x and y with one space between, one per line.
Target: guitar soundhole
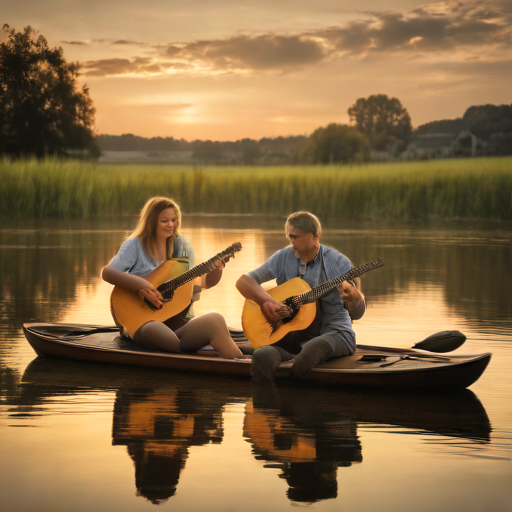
167 295
167 290
294 309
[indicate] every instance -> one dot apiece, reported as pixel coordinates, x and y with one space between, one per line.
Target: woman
156 239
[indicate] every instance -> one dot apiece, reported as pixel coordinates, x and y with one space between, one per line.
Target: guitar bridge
151 305
275 325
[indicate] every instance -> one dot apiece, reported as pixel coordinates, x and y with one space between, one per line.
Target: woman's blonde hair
146 227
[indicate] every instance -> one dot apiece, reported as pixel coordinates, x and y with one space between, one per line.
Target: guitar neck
318 291
193 273
198 270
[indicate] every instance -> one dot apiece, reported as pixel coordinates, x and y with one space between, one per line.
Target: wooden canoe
397 368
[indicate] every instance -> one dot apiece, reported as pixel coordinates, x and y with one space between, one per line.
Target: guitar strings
167 288
318 291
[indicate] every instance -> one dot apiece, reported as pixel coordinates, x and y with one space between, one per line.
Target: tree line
239 151
378 123
43 111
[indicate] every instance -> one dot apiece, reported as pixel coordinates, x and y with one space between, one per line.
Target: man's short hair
306 222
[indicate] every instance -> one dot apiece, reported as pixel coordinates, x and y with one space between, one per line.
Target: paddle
441 342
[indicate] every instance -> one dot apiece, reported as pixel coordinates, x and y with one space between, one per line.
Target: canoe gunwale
465 360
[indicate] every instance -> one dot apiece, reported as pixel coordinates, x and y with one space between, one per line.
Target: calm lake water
93 437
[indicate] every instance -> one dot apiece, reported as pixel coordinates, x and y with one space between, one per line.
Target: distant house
444 145
466 142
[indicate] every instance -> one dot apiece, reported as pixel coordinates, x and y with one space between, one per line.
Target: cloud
268 52
108 42
79 43
110 67
436 29
128 42
263 53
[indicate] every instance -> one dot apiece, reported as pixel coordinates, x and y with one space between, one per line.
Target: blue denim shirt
329 263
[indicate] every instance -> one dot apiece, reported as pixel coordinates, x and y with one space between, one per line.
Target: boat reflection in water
307 432
311 432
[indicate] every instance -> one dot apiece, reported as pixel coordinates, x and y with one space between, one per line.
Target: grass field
442 189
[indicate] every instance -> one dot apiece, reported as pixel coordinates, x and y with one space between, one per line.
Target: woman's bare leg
156 334
208 329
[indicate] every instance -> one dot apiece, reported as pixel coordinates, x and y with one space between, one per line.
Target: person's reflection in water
310 432
158 426
311 481
307 442
156 472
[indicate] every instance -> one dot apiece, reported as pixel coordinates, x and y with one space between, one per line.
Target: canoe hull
44 346
457 376
409 368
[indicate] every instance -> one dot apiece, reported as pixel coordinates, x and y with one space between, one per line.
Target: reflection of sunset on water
224 298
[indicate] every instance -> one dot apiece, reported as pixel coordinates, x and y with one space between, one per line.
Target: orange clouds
231 69
437 28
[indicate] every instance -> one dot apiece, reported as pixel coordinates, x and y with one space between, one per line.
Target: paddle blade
444 341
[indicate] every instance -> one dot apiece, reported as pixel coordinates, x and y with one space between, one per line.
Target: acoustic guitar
174 281
299 308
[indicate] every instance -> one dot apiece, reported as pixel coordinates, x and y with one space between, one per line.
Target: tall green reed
465 189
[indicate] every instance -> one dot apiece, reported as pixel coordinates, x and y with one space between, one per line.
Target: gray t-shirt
132 257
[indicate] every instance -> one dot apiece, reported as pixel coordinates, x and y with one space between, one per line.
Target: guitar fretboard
322 289
198 271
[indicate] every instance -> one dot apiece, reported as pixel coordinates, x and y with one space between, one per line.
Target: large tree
382 119
43 111
335 143
484 120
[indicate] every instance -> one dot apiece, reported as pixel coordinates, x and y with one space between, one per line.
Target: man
331 334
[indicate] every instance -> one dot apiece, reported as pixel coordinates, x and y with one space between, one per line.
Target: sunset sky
229 69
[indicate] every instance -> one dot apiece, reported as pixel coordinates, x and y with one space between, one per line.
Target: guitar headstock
229 253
